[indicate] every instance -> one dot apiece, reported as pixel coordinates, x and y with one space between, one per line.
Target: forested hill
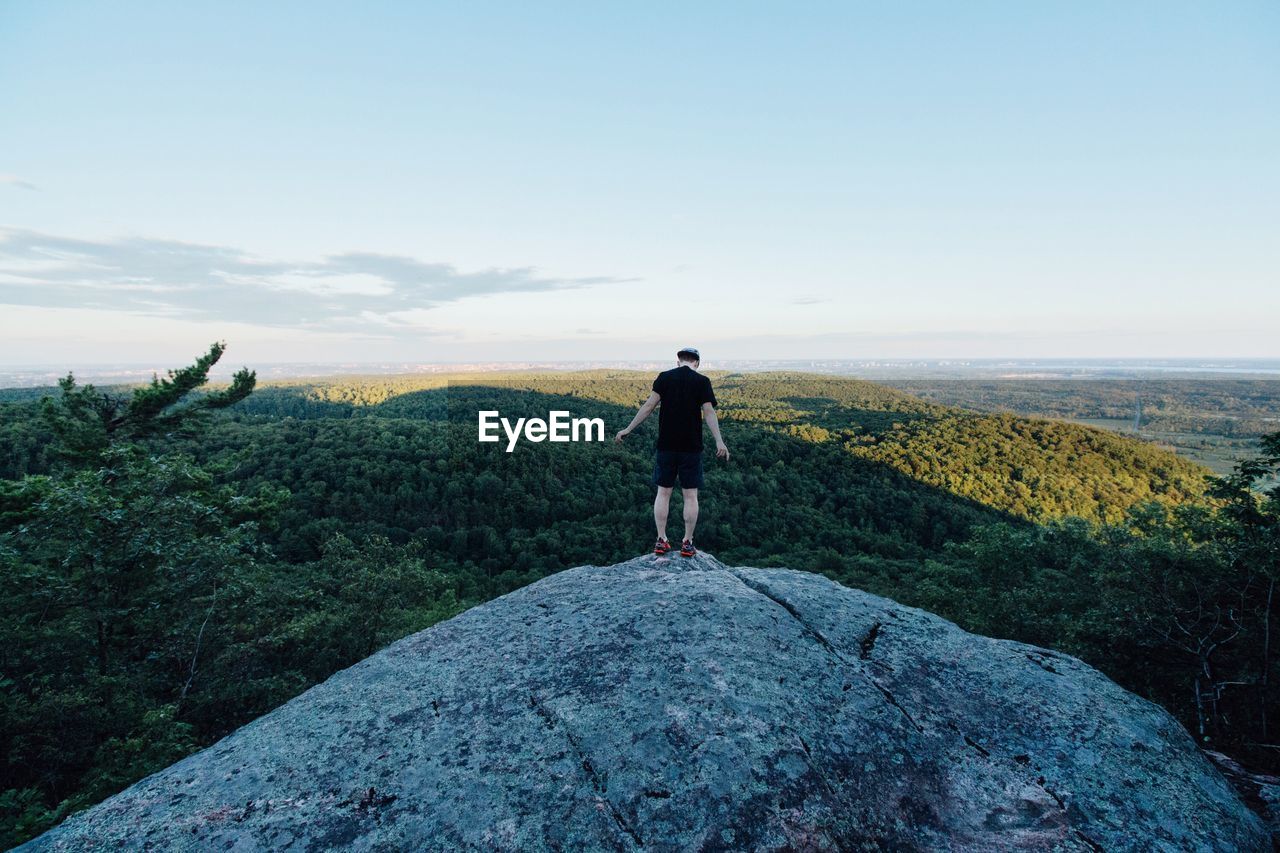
850 478
170 570
1032 468
853 467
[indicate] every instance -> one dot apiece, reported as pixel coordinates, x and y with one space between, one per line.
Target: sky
439 182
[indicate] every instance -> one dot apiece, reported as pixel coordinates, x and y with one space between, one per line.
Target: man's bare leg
661 504
690 512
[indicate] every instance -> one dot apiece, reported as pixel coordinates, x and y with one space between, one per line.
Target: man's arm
646 409
722 452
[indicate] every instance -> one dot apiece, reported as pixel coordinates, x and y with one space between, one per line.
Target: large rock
682 704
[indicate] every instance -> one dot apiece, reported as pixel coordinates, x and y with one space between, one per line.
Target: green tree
110 571
1250 534
86 420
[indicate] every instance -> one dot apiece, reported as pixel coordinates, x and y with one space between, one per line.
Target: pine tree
86 420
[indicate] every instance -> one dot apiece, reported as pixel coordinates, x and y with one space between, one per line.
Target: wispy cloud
809 300
15 181
195 281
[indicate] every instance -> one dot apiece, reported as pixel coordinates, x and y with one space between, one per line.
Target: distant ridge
45 375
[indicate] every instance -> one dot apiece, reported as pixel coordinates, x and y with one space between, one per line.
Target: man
686 397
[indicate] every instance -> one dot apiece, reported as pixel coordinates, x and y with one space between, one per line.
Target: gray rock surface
681 704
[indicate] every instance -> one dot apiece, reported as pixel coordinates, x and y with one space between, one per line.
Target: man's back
681 395
683 391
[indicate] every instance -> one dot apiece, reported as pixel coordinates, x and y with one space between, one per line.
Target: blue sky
441 182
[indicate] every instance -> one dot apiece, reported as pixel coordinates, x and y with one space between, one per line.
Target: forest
179 558
1212 421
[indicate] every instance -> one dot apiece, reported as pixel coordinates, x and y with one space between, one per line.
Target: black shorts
672 463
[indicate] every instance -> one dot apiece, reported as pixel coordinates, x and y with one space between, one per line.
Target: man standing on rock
685 397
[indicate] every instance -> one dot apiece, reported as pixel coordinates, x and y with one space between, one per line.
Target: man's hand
646 409
713 423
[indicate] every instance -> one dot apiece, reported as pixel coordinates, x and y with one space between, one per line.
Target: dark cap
689 351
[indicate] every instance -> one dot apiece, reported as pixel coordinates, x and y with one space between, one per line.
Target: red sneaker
687 549
661 547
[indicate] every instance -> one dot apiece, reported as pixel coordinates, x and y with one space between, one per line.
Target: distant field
1215 422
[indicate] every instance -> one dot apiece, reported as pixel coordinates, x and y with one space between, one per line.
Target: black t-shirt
683 391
